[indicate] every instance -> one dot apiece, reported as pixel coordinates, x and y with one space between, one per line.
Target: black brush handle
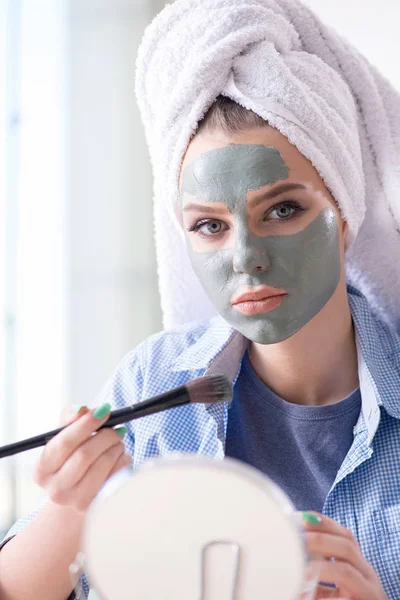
172 399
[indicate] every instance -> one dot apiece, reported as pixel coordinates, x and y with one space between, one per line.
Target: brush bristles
209 389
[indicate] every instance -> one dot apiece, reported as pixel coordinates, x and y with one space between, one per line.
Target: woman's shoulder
379 337
168 345
171 349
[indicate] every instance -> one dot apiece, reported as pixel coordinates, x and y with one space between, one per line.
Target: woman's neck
316 366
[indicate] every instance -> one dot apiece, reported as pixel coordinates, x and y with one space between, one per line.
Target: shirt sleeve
122 389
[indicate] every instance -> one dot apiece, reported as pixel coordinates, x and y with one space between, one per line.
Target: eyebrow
280 189
202 207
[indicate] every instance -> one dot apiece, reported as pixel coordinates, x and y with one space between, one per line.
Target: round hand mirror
194 528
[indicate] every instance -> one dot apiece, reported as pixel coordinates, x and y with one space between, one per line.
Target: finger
326 525
76 466
88 487
338 547
97 474
60 448
123 462
323 592
318 595
349 581
71 413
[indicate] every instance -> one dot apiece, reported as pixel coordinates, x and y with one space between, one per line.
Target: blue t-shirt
299 447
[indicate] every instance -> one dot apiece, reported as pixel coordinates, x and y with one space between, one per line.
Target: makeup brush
205 390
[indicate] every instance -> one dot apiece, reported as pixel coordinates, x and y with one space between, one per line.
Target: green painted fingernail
310 518
101 411
121 430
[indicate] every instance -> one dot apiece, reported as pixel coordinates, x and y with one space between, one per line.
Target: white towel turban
276 58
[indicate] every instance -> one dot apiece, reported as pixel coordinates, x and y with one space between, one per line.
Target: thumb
71 413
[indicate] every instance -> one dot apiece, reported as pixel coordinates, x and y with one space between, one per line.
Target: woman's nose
249 258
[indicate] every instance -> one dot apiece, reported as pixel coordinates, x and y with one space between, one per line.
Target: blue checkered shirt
365 496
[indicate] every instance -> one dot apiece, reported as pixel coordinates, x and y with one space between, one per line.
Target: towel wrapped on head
276 58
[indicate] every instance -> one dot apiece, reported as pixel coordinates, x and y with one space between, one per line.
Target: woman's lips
254 307
258 300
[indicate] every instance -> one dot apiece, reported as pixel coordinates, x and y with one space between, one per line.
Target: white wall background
113 294
77 271
372 26
33 243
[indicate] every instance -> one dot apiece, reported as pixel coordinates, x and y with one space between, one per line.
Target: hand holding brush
214 388
79 457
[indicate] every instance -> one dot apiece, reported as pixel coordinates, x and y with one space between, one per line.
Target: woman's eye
212 227
283 211
208 227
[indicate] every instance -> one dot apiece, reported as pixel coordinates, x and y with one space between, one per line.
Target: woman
270 189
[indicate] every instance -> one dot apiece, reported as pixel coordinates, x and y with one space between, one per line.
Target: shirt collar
219 350
370 398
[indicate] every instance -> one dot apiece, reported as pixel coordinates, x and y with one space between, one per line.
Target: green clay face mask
306 265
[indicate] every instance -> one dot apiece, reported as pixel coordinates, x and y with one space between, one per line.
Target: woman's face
264 235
